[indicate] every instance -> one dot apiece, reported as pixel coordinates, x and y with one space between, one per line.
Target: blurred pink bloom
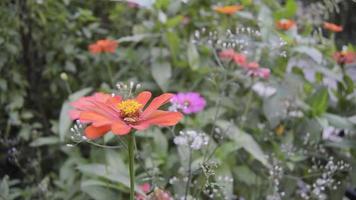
146 187
185 20
251 65
227 54
240 59
253 68
188 102
132 4
230 54
259 72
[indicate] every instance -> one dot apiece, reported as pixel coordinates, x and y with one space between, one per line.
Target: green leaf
244 140
64 120
288 11
339 121
118 174
311 52
319 101
173 43
45 141
135 38
4 187
98 192
175 21
162 73
245 175
349 84
193 56
160 142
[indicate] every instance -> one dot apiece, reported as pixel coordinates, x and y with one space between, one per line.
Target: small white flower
180 140
263 90
331 134
296 113
193 139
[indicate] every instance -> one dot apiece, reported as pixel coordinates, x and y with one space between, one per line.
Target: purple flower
188 102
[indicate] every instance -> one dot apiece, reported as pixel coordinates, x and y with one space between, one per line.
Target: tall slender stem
189 174
108 68
131 164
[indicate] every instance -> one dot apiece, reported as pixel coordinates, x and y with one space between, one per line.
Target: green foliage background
45 63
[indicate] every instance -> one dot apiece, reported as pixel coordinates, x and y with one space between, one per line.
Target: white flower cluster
193 139
333 134
264 90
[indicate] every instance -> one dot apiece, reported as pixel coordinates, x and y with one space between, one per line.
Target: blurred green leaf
244 140
173 43
193 56
64 120
98 192
44 141
311 52
4 187
319 101
162 72
288 11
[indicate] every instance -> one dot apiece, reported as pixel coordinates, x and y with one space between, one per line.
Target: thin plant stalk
131 148
189 174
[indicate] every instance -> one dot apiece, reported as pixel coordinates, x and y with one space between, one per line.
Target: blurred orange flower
106 112
103 46
228 9
332 27
344 57
285 24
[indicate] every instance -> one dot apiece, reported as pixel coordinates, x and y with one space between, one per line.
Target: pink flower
260 72
156 194
253 68
105 112
185 20
240 59
230 54
227 54
132 4
146 187
188 103
251 65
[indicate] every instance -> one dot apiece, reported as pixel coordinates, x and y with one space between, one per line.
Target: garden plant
177 99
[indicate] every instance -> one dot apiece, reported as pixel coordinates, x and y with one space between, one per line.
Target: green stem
131 164
110 73
189 174
248 106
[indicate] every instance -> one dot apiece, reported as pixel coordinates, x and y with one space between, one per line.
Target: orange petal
228 9
92 132
115 100
81 103
95 118
156 103
143 97
141 126
120 128
101 97
162 118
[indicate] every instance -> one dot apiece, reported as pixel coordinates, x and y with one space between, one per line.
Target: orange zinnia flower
228 9
285 24
105 112
103 46
332 27
344 57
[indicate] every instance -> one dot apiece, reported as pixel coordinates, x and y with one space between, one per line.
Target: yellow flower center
129 108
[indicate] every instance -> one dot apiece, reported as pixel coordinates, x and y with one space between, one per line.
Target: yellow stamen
129 108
